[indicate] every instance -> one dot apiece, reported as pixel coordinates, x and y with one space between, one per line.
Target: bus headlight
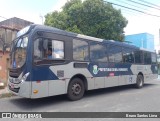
24 77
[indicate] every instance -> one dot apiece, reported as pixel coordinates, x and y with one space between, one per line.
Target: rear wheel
75 89
139 82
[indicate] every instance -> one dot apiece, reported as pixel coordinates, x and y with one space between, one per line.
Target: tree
91 17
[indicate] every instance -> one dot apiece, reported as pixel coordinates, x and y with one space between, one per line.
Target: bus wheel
140 81
75 89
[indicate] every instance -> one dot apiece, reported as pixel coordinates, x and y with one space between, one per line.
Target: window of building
128 55
138 56
80 50
147 57
115 54
98 52
48 49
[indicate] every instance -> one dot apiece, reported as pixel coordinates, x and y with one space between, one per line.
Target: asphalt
115 99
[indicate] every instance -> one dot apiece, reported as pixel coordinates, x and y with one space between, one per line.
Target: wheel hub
76 89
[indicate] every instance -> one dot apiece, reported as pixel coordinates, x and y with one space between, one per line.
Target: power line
130 4
130 12
143 4
133 9
149 3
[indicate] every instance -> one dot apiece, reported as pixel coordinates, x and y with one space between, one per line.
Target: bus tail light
38 81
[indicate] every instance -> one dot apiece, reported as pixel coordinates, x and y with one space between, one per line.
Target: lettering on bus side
96 69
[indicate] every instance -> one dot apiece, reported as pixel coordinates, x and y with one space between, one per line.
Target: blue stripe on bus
43 73
96 69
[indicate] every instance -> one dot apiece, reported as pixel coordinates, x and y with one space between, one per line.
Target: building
8 31
10 27
142 40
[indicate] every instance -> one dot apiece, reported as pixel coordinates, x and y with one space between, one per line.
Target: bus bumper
22 89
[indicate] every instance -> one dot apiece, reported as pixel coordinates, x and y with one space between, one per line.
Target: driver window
48 49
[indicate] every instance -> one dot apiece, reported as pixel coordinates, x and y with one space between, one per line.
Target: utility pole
41 18
159 37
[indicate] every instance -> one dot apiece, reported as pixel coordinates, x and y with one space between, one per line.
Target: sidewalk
5 93
5 90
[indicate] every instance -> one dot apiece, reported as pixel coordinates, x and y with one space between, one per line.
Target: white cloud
58 5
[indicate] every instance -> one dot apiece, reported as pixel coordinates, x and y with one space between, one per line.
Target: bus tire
76 89
139 82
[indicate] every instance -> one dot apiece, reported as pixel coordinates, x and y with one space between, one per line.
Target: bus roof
143 49
66 33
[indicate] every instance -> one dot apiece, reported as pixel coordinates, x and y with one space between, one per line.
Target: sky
33 10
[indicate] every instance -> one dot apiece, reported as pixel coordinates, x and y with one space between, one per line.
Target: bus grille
16 90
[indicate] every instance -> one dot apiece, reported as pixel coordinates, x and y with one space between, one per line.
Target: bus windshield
18 54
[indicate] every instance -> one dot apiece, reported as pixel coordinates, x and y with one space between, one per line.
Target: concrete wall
4 64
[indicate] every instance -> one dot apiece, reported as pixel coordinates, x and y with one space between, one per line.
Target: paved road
116 99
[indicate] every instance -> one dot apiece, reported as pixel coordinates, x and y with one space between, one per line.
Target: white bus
47 61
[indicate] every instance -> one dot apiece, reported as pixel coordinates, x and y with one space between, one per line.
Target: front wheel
139 82
75 89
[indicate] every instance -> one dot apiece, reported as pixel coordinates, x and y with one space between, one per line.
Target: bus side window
138 56
128 55
115 54
48 49
80 50
147 57
153 58
57 49
98 52
38 49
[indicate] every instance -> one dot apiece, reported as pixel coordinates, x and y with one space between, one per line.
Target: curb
4 93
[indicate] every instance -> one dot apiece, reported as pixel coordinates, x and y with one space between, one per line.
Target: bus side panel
111 81
130 79
122 80
57 87
39 89
69 71
146 70
91 84
25 89
99 82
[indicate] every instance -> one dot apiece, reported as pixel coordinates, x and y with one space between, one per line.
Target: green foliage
91 17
